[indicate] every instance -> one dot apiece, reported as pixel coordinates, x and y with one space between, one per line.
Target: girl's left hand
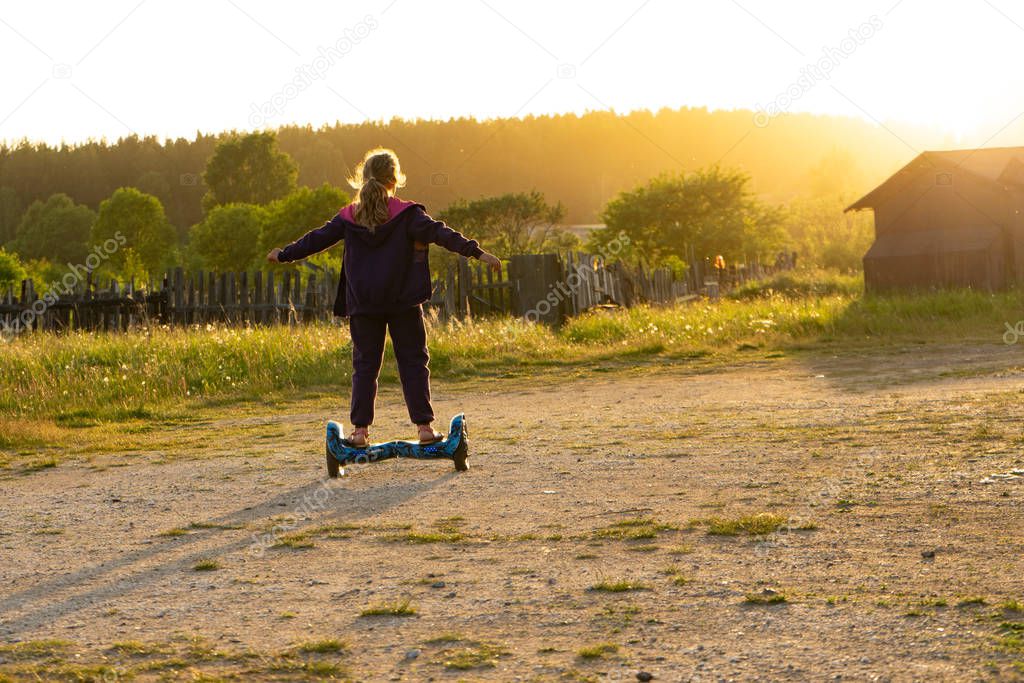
272 256
490 259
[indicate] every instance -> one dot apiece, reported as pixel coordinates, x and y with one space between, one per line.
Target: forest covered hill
580 160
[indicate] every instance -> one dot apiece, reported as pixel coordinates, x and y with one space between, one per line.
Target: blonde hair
376 173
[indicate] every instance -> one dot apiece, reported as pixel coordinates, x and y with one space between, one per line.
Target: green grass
304 540
446 530
321 646
401 608
40 464
135 648
759 524
598 651
50 671
639 528
295 542
618 586
768 598
183 656
476 655
206 566
212 525
34 649
934 602
87 393
1011 637
424 537
148 375
677 576
802 284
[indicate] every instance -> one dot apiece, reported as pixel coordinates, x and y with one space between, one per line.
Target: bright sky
75 70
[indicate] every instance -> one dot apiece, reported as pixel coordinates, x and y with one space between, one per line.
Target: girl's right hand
490 259
272 256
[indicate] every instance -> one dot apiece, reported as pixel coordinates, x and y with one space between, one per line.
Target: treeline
781 186
581 160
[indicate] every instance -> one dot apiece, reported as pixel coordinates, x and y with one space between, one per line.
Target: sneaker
360 437
427 435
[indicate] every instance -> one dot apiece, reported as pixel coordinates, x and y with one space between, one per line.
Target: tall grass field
86 377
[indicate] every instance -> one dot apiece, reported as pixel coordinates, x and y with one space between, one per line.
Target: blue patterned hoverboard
453 447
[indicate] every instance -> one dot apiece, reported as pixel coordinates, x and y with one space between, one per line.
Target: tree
136 221
248 169
43 272
11 210
228 239
711 211
57 229
515 223
154 183
824 236
11 270
291 216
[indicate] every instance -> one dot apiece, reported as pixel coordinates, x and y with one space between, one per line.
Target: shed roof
1002 165
989 162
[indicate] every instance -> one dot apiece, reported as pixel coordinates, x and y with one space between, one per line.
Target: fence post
178 315
244 313
309 306
190 300
28 298
465 286
535 291
210 305
232 306
286 298
257 298
270 305
222 297
450 295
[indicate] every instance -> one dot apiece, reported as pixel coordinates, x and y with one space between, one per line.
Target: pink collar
395 207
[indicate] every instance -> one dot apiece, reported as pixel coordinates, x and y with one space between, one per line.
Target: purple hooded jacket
384 270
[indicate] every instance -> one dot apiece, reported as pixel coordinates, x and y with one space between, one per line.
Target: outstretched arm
313 242
491 260
426 229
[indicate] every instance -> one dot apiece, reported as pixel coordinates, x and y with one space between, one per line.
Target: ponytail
378 171
372 207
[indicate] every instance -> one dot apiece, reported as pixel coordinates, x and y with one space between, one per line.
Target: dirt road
611 524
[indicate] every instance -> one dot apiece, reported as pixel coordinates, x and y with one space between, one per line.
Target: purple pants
409 340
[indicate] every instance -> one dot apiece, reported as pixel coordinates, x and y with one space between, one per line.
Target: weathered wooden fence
180 299
469 288
540 287
549 287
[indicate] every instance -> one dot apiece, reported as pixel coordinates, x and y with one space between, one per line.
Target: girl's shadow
311 504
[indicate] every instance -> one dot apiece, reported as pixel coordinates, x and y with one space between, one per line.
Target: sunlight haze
76 71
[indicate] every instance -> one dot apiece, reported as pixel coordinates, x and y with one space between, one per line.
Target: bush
228 239
11 270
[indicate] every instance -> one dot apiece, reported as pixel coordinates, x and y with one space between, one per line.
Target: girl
385 279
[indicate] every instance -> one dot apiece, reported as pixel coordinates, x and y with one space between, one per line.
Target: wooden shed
949 219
